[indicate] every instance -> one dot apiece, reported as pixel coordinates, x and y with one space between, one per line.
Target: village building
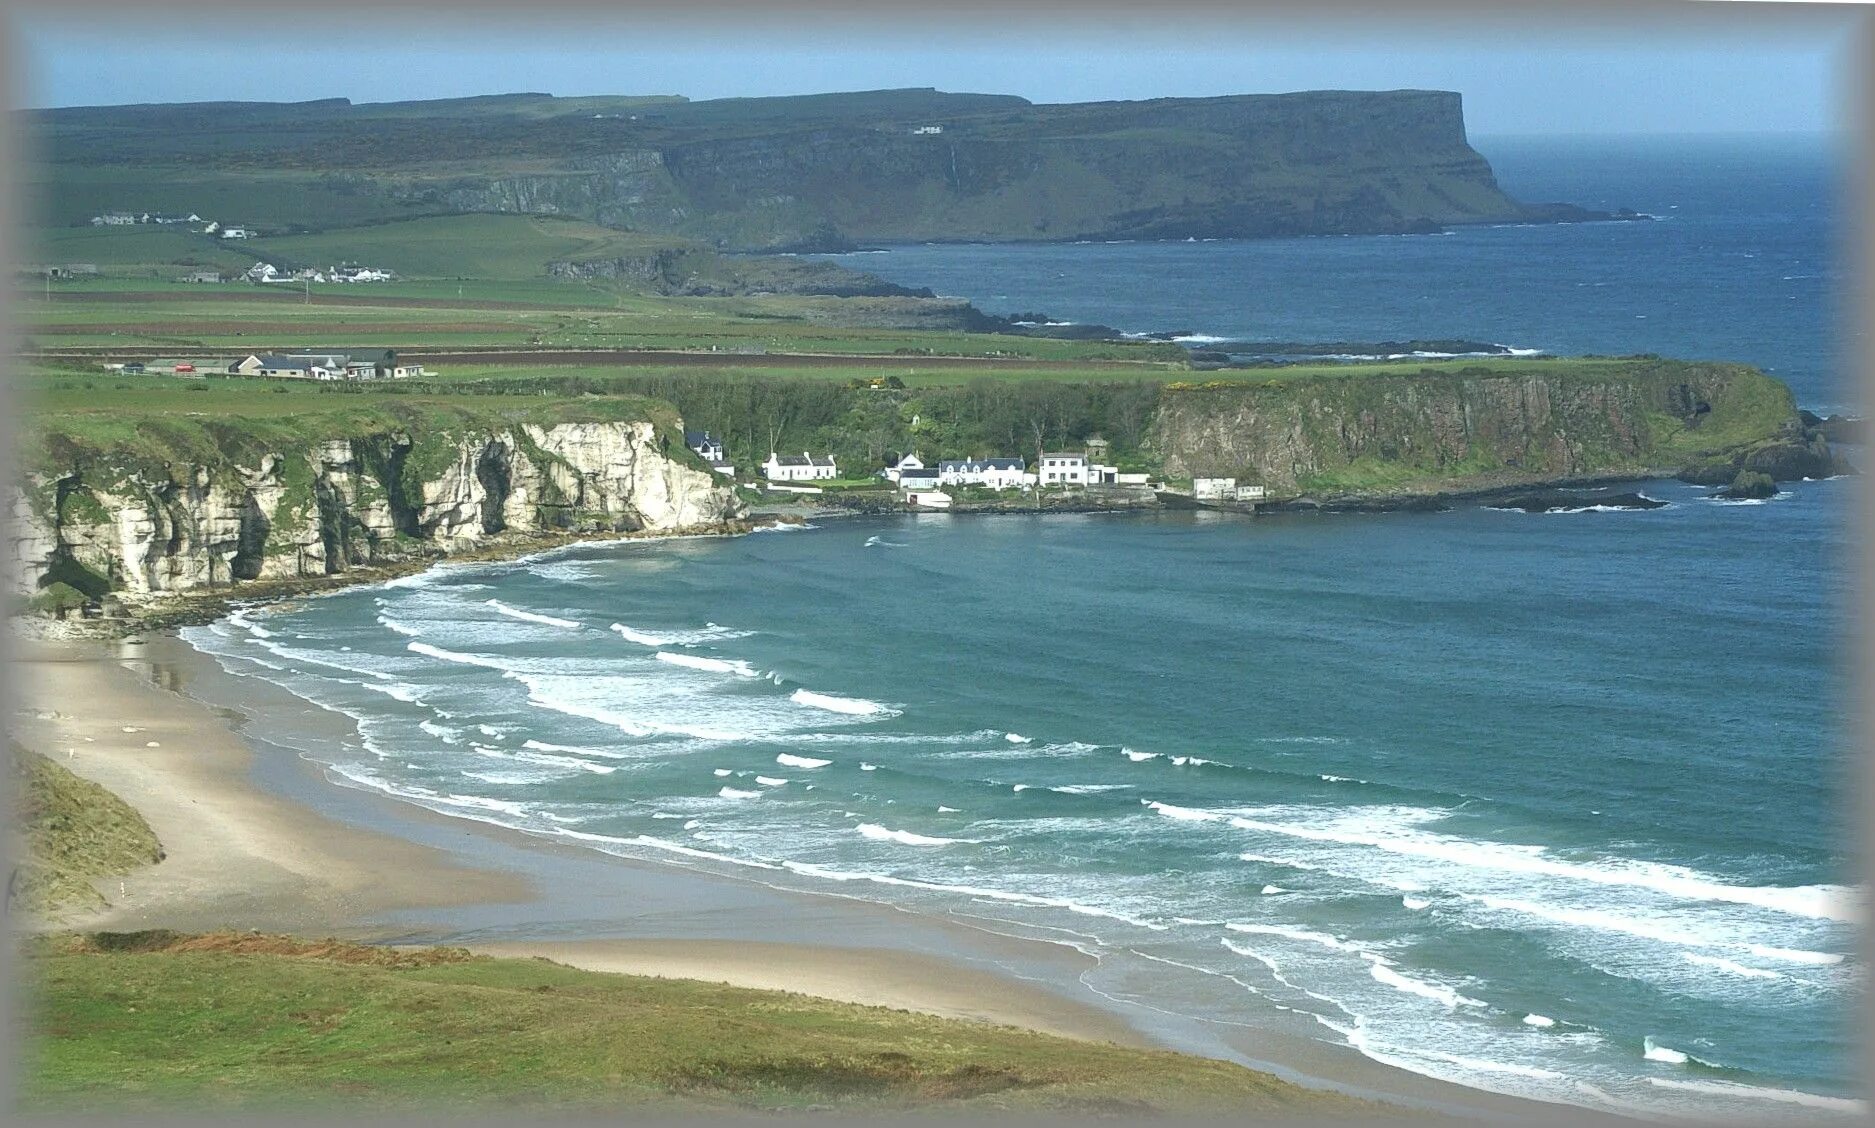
926 130
203 276
918 477
1099 474
929 499
347 364
1063 468
113 219
909 462
995 473
710 449
1225 489
234 233
804 467
305 368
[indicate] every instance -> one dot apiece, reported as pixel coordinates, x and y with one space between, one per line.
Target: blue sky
1723 68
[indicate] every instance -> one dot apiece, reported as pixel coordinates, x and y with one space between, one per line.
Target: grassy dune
73 831
152 1022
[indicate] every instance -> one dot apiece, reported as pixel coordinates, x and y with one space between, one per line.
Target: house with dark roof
917 477
708 447
803 468
305 368
996 473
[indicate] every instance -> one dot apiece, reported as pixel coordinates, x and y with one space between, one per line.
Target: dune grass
73 831
157 1022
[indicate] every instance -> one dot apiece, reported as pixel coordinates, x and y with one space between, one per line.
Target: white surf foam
1541 1021
401 628
733 793
1846 1105
883 834
458 657
734 666
770 781
532 617
1654 1051
1389 829
1381 971
851 706
710 632
865 767
1730 966
789 760
1138 757
1015 738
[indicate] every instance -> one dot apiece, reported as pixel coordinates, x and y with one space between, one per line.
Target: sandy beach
258 838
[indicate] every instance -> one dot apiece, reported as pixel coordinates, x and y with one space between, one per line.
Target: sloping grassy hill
156 1022
145 249
73 831
502 247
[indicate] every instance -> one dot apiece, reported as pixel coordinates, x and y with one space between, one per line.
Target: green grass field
436 314
258 1024
484 247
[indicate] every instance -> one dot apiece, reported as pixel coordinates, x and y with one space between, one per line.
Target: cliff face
1326 162
348 501
1350 436
819 172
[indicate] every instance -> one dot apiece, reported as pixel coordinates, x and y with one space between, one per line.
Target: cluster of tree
864 426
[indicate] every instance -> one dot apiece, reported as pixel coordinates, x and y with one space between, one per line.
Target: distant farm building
337 364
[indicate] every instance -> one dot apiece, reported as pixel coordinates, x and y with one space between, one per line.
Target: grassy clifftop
1472 426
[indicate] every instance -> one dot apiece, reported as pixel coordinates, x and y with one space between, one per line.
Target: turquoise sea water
1549 804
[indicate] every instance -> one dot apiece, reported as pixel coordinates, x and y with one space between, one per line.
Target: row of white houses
912 475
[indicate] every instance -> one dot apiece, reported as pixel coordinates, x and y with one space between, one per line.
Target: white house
918 478
234 233
909 462
113 219
1065 468
804 467
1099 474
708 447
929 499
996 473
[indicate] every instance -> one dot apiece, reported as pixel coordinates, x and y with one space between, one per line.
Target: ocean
1556 805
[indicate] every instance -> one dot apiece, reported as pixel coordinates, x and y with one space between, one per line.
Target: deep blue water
1494 796
1745 264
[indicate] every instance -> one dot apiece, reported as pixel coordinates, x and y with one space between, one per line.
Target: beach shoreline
259 838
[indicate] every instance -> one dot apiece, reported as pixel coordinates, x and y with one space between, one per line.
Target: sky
1695 69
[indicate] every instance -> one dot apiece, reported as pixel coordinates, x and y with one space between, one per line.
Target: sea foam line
532 617
851 706
885 834
1815 901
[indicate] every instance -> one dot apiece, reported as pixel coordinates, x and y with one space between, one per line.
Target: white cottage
909 462
802 468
